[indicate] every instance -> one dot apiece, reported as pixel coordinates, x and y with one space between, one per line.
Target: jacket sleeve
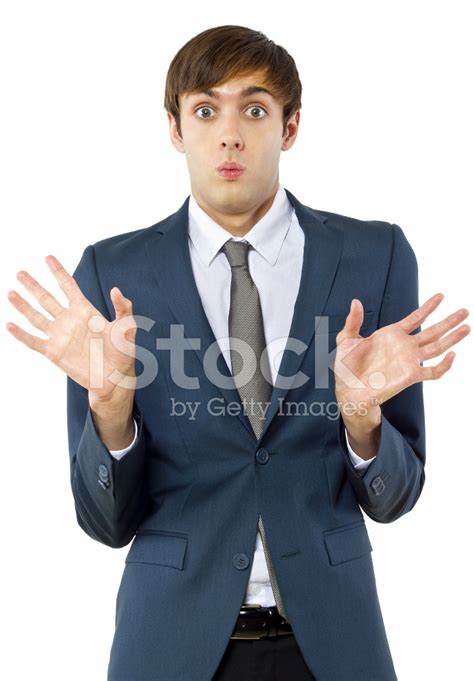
390 486
109 494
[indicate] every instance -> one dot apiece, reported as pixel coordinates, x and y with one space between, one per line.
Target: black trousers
277 658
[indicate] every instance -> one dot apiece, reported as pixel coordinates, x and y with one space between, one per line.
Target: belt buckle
274 625
248 636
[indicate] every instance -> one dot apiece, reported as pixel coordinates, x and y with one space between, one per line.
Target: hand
70 332
369 371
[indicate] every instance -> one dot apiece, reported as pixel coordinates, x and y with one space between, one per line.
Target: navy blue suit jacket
189 492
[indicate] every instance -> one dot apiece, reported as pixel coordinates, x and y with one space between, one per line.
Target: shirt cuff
118 453
358 462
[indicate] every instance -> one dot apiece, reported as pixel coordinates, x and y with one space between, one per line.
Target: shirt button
241 561
255 589
262 455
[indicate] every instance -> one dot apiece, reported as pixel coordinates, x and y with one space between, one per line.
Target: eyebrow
246 92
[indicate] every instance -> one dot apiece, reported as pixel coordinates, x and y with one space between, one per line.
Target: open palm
369 371
93 351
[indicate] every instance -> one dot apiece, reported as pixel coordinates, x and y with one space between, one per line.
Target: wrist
113 419
118 402
363 432
362 421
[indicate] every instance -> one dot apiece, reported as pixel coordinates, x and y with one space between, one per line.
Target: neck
237 224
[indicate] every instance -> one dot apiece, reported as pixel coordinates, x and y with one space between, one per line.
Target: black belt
255 621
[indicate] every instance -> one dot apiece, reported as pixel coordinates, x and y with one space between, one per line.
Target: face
227 124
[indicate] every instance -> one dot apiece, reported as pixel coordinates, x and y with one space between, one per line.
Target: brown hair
224 52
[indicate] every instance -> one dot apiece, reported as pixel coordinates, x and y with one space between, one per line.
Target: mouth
230 170
231 173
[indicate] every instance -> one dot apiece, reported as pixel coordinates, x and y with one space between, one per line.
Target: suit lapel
322 251
171 263
172 268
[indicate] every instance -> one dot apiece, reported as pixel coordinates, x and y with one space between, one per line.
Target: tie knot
237 252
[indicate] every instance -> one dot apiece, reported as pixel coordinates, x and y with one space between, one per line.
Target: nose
230 137
231 142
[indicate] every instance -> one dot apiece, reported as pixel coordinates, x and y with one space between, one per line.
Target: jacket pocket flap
347 543
158 549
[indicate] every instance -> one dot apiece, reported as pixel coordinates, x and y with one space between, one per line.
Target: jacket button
378 485
103 472
241 561
262 455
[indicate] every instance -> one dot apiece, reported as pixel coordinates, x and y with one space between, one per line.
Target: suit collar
171 262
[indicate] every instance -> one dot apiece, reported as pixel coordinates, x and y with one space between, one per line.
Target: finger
123 310
435 331
38 320
123 306
437 347
33 342
67 283
353 321
418 316
432 373
44 297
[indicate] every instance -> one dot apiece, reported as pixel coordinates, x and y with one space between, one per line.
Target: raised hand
369 371
93 351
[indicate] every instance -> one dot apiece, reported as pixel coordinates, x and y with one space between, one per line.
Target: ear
291 131
176 140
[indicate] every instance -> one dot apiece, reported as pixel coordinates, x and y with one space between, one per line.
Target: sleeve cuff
357 461
118 453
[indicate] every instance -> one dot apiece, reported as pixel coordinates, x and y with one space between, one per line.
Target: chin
235 201
226 192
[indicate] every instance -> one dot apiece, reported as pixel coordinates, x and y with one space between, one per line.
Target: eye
203 108
207 109
253 108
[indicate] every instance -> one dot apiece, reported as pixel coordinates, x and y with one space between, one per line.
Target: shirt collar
266 236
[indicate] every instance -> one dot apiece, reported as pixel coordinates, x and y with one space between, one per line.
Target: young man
240 473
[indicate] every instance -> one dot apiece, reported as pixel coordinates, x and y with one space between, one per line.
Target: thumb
354 319
122 305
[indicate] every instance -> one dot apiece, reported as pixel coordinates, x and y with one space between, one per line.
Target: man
224 459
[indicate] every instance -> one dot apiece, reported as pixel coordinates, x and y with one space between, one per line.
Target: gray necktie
246 323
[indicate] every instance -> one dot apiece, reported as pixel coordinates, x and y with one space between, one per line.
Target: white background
386 133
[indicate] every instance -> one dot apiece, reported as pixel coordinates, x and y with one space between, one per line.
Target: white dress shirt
275 264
